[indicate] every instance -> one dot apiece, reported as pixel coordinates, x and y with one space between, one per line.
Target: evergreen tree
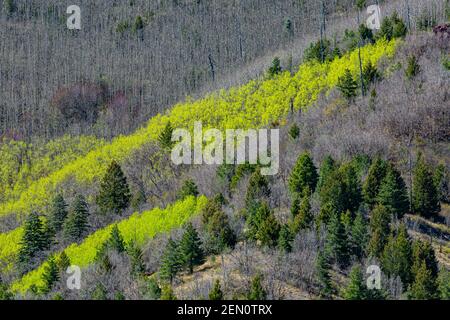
366 34
76 223
188 189
303 175
359 237
386 29
153 289
191 248
255 219
171 261
375 176
370 74
114 195
216 292
356 288
424 286
50 276
136 259
379 229
256 289
444 284
258 188
269 231
397 256
441 180
275 68
4 291
304 218
326 169
393 194
218 228
337 243
294 131
423 251
285 239
348 86
63 262
102 258
34 241
425 199
327 210
323 268
399 29
413 68
165 137
167 293
58 213
115 241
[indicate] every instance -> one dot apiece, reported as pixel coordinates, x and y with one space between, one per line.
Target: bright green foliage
63 262
138 227
275 68
188 189
294 131
58 213
256 104
165 137
356 288
76 224
256 289
115 241
337 243
114 195
50 276
303 218
285 239
191 248
425 198
371 186
348 86
393 194
379 230
327 210
326 169
424 286
396 259
323 268
256 218
413 68
216 292
359 236
171 262
303 175
167 293
444 284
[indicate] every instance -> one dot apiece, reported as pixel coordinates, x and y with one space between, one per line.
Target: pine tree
171 261
327 210
396 259
256 289
102 258
255 219
294 131
114 195
188 189
50 275
424 286
167 293
63 262
153 289
413 68
379 230
336 246
269 231
393 194
76 223
303 175
443 280
347 85
34 240
323 268
136 259
258 188
326 169
399 29
221 236
275 68
356 288
441 180
425 200
304 217
115 241
165 137
386 29
423 251
285 239
191 248
371 186
370 74
359 237
58 213
216 292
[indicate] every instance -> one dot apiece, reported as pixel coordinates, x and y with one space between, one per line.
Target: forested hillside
87 178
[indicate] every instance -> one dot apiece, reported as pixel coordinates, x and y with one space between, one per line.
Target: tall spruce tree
34 241
114 195
423 251
393 194
58 213
348 86
303 175
165 137
424 286
171 262
323 276
63 262
269 231
327 167
191 248
304 217
379 230
359 237
356 288
136 259
337 243
425 199
371 186
188 189
76 223
50 275
257 291
115 241
285 239
258 188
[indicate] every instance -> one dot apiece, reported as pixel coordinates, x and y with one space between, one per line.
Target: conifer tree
216 292
255 219
323 268
63 262
153 289
136 259
50 275
443 280
327 167
188 189
423 251
165 137
327 210
114 195
386 29
258 188
336 246
171 261
34 240
304 218
424 286
441 180
76 223
4 291
58 213
256 289
191 248
294 131
413 68
356 288
370 74
303 175
425 200
393 194
359 236
347 85
379 230
115 241
221 236
275 68
167 293
269 231
375 176
285 239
